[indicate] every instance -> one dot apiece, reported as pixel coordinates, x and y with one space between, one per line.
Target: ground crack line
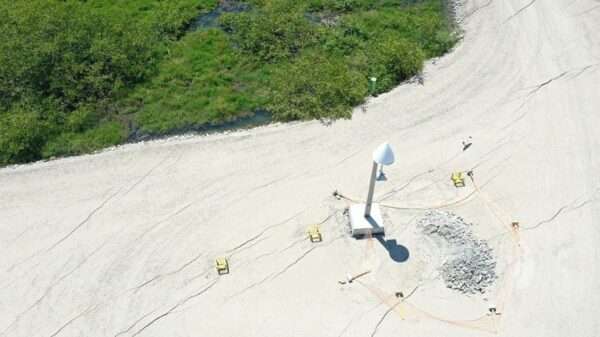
135 323
294 263
429 279
148 173
570 207
588 10
160 276
233 251
477 9
49 289
304 255
70 233
166 313
69 322
275 275
584 69
519 11
539 86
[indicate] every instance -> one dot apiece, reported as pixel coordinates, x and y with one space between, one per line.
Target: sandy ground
122 243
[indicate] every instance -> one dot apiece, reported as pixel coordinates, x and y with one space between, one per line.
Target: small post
493 313
402 310
515 227
371 190
373 86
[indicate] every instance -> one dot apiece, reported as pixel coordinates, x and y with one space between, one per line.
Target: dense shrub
201 82
61 50
350 35
316 87
70 143
276 30
393 59
423 23
59 62
73 73
22 134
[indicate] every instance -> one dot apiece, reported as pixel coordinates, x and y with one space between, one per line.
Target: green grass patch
201 82
74 74
71 143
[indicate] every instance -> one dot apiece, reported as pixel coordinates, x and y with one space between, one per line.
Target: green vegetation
202 81
80 75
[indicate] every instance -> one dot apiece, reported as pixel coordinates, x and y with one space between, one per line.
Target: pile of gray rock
470 267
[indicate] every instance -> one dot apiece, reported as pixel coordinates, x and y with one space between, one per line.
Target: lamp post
383 155
366 218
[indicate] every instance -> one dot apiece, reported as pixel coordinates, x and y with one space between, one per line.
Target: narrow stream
211 19
258 117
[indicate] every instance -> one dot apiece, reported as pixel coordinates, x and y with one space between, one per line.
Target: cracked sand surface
122 243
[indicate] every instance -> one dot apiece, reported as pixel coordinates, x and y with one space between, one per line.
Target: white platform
363 226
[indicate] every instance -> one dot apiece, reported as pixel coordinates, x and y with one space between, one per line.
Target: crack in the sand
148 173
359 316
160 276
390 310
135 323
587 11
49 288
71 321
519 11
89 216
584 69
393 191
351 155
279 250
477 9
250 287
94 211
530 95
569 207
233 251
294 262
166 313
383 317
304 255
272 276
276 251
165 220
539 86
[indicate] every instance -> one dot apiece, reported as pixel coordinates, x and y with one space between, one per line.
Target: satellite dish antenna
383 154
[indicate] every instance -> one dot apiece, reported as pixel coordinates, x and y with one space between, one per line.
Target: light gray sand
122 243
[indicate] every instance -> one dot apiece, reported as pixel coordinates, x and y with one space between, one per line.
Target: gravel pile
471 267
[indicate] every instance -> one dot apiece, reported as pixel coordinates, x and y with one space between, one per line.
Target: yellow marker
314 233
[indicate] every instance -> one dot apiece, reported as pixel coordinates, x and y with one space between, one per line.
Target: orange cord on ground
510 274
